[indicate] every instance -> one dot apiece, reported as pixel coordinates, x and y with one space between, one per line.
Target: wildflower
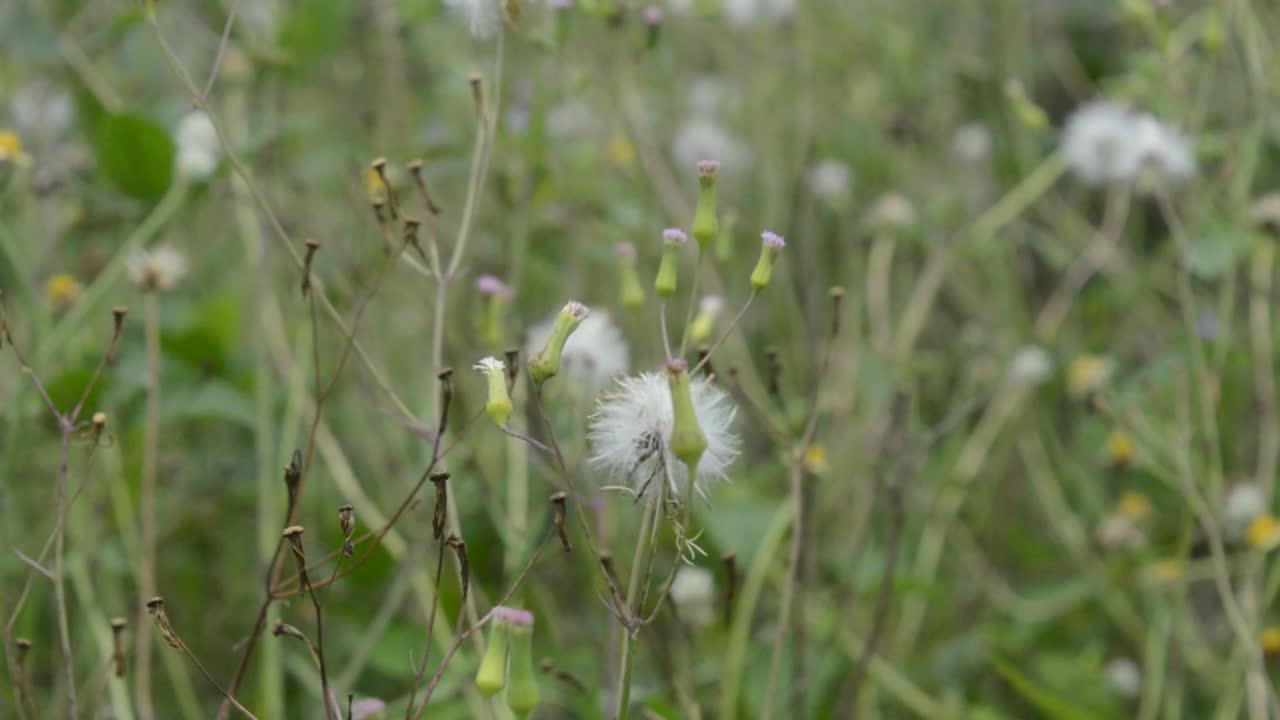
1106 142
61 289
197 144
1263 533
498 406
522 688
367 708
631 434
1117 532
1119 448
1134 506
665 283
1087 374
830 180
374 187
771 244
1269 640
705 225
593 354
891 211
160 268
971 143
1031 365
1245 503
492 675
705 321
693 594
815 459
703 136
481 16
632 293
489 323
1124 676
11 149
545 363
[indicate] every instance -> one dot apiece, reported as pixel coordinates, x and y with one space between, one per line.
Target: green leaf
1049 704
214 400
135 154
1215 250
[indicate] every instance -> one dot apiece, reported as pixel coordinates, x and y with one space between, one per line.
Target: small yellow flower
373 186
10 146
1264 532
815 459
1120 448
1134 505
1269 639
620 151
1087 374
61 289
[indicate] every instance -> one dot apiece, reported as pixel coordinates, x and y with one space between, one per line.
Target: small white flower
481 15
630 435
693 593
701 137
594 354
1030 366
490 365
160 268
971 143
1106 142
1124 676
830 180
197 146
1245 502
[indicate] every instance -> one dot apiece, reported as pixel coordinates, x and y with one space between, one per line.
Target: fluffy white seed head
1124 676
481 16
1107 142
595 352
1031 365
1245 502
197 146
630 435
830 180
693 591
160 268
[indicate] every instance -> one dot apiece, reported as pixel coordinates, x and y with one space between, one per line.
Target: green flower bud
632 293
489 324
688 442
724 241
705 321
546 363
499 404
705 225
492 675
522 692
668 269
770 247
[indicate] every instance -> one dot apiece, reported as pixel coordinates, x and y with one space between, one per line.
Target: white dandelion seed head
481 16
1107 142
830 179
702 137
1245 502
1124 676
197 146
971 143
160 268
630 435
711 304
891 210
1031 365
593 355
693 592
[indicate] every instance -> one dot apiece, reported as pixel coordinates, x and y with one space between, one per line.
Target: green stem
633 591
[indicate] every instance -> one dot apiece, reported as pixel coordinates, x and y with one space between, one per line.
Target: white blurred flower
830 180
367 708
693 593
1117 531
160 268
971 143
1124 676
593 355
197 146
1106 142
700 137
630 435
1031 365
748 12
41 110
1245 503
481 15
892 210
680 7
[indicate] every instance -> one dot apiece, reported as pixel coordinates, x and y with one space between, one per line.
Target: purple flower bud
674 236
773 240
708 167
653 15
490 285
675 366
625 251
366 708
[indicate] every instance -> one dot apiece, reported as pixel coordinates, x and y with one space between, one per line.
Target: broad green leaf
134 153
